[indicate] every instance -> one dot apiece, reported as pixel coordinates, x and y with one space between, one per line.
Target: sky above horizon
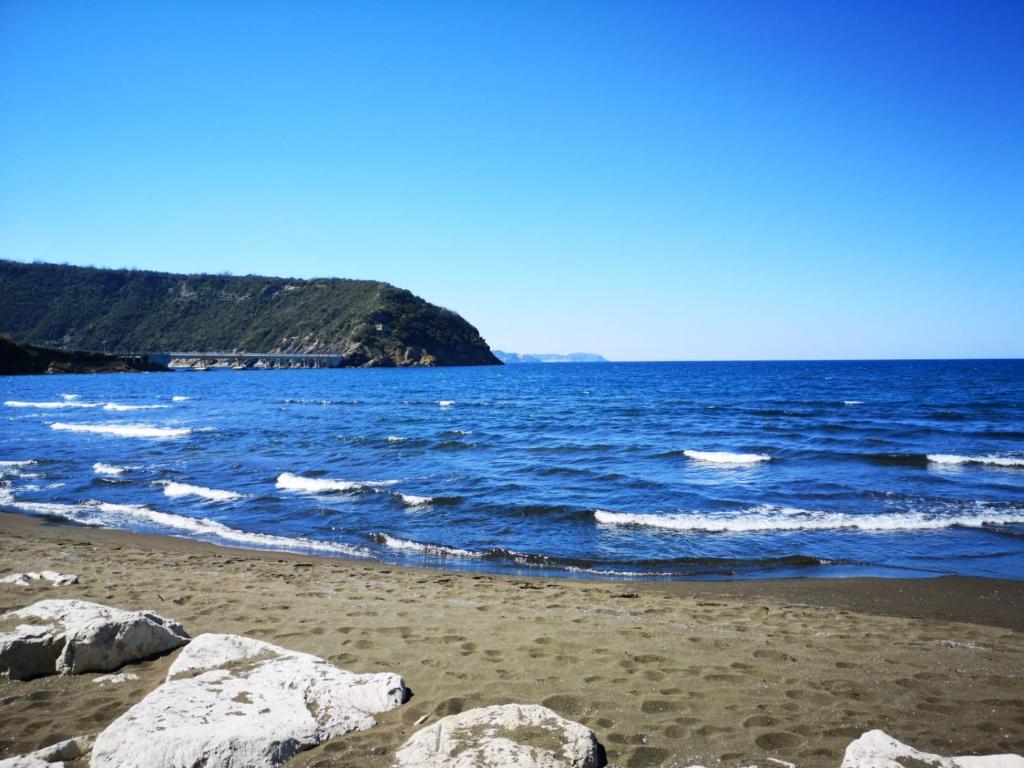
648 180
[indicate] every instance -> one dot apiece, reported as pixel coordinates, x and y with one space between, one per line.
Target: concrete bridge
243 360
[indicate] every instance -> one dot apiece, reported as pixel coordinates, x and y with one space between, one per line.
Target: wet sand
673 674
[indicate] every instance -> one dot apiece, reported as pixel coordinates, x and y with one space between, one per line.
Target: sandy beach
673 674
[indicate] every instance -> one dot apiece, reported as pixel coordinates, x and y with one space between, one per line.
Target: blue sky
680 180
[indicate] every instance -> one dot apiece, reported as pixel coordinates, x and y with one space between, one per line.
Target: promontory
366 322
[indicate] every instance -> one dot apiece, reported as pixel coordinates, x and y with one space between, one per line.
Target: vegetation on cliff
119 310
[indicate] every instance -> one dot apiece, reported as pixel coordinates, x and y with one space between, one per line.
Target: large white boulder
877 749
523 735
232 701
75 636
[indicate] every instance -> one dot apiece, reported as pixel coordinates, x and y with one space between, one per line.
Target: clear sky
678 180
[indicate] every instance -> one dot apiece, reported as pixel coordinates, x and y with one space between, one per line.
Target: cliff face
18 359
370 323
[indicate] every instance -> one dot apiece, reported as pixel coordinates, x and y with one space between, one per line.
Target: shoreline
969 599
676 673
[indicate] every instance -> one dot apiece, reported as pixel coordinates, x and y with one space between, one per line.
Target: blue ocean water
645 470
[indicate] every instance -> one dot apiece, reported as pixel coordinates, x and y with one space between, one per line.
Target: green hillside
120 310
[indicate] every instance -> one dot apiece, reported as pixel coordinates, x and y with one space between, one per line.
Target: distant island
575 357
364 322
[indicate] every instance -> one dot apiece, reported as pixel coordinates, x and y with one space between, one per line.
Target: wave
416 501
396 439
175 490
49 405
108 469
104 514
120 407
994 461
288 481
771 519
435 550
446 403
212 529
922 461
70 397
894 459
725 457
17 463
679 566
124 430
179 398
853 402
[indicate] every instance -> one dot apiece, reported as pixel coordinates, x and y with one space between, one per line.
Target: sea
613 471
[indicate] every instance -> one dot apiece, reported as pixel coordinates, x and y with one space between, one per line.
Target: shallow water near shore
639 470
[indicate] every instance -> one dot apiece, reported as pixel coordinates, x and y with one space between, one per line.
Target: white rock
25 579
75 636
232 701
27 761
527 736
876 749
52 756
116 679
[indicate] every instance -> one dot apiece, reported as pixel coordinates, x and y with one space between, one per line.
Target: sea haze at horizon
637 470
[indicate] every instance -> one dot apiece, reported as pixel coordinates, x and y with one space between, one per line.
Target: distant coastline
574 357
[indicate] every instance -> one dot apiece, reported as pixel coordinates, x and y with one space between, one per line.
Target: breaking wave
121 407
175 490
725 457
124 430
766 519
288 481
993 461
126 516
49 405
180 398
679 566
416 501
435 550
108 469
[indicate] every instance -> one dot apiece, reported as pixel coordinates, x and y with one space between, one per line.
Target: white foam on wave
416 501
108 469
853 402
213 529
72 512
446 403
70 397
725 457
124 430
765 518
122 407
176 490
437 550
396 439
49 405
17 463
103 514
994 461
180 398
288 481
